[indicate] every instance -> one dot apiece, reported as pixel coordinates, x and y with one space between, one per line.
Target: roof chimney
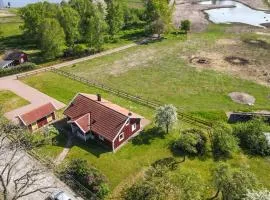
129 114
98 97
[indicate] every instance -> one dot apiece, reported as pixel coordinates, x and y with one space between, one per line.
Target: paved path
37 98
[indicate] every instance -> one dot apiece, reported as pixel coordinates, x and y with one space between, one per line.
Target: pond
239 13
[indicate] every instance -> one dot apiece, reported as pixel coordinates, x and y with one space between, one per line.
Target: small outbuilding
92 117
38 117
13 58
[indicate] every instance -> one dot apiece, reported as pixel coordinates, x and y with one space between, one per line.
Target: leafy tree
115 16
223 141
69 20
232 183
33 16
158 16
192 142
185 26
88 176
252 137
52 38
155 186
190 184
257 195
166 117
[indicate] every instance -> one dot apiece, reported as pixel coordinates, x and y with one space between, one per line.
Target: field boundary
137 99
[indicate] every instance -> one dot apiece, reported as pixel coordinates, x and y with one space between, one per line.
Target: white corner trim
22 120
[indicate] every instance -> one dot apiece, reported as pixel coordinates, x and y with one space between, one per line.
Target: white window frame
121 136
133 127
101 137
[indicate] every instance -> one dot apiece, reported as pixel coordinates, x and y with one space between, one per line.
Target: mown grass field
161 71
126 165
10 101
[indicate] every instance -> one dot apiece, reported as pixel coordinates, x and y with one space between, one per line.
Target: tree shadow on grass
16 42
94 147
147 136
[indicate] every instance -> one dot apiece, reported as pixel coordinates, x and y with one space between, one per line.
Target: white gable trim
79 125
21 120
120 131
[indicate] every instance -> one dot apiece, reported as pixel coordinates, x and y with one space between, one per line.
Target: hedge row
18 69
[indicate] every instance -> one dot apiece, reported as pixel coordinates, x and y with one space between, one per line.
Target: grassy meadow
127 165
10 101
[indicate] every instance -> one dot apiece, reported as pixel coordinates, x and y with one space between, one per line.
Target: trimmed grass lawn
10 101
126 165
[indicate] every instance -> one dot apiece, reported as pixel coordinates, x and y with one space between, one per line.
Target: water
240 13
21 3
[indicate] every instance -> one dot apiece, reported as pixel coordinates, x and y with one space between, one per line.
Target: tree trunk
167 128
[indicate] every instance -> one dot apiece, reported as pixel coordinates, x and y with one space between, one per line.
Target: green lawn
127 164
10 101
159 71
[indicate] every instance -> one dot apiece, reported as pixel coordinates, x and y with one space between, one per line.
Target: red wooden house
38 117
92 117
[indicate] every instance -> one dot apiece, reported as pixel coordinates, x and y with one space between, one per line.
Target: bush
185 26
170 162
252 137
88 176
223 141
27 66
192 142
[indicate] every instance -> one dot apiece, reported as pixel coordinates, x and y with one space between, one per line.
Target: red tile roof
106 118
37 114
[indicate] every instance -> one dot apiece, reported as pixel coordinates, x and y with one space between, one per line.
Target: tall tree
257 195
224 143
69 20
232 183
33 16
115 16
166 117
158 15
52 41
252 137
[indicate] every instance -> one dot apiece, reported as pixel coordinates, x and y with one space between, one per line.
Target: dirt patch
234 60
227 42
242 98
257 43
200 60
191 10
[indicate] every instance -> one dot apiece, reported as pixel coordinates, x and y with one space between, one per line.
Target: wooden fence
138 99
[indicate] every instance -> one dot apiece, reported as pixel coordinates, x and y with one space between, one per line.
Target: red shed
18 57
91 116
38 117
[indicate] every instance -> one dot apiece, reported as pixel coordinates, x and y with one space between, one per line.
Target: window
100 137
133 127
121 136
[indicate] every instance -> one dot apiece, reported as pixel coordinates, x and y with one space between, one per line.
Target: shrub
27 66
88 176
223 141
185 26
192 142
252 137
170 162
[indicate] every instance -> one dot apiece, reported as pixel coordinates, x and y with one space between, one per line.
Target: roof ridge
103 104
